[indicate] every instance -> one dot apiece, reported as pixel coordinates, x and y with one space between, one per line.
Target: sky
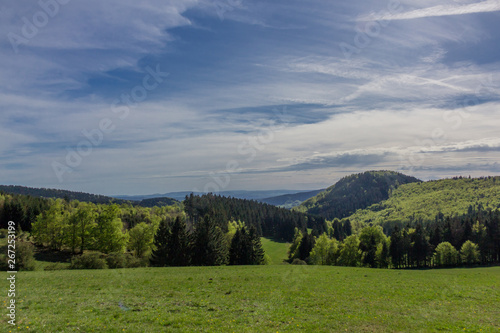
140 97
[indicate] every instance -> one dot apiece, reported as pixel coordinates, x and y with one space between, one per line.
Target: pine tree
178 244
209 246
159 256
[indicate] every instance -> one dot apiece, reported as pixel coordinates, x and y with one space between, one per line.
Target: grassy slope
282 298
277 251
426 200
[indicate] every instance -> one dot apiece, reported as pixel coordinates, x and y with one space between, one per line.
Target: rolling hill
424 201
354 192
83 197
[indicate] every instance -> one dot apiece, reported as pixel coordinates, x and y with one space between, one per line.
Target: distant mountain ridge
354 192
82 196
291 200
248 195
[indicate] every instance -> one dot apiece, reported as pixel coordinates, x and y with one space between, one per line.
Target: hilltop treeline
59 194
268 220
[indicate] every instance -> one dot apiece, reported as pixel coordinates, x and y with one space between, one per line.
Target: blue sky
129 97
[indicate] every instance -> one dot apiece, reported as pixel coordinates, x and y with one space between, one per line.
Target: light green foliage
108 234
141 238
425 200
446 255
50 226
293 251
80 227
325 251
470 253
232 226
279 298
350 254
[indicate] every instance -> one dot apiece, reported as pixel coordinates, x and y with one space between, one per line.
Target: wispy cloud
440 10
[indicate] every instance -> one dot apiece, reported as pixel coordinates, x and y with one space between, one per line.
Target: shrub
117 260
89 260
297 261
25 258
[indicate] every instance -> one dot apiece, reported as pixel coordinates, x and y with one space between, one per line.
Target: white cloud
440 10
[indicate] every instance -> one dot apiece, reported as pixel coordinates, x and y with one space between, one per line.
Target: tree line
472 238
268 220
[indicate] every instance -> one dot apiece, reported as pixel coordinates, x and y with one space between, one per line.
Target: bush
25 258
89 260
297 261
117 260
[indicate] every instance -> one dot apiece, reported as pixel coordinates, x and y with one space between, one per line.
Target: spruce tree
159 256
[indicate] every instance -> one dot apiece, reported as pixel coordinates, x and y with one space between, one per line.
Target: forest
208 230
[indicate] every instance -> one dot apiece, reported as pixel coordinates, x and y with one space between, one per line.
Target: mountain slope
424 201
354 192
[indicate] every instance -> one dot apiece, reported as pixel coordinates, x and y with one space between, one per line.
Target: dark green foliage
246 248
158 202
306 246
354 192
60 194
268 220
22 209
178 250
209 244
159 257
90 260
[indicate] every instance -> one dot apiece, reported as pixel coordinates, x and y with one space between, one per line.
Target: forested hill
81 196
354 192
428 201
268 220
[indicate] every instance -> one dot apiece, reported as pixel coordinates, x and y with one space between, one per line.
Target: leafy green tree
80 227
369 239
293 252
140 239
50 226
108 234
470 253
325 251
446 255
350 254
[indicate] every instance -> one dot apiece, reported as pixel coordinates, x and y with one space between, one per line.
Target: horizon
291 190
233 95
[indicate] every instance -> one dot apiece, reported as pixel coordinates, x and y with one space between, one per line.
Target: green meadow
274 298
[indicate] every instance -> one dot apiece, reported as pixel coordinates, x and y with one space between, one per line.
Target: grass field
277 251
279 298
